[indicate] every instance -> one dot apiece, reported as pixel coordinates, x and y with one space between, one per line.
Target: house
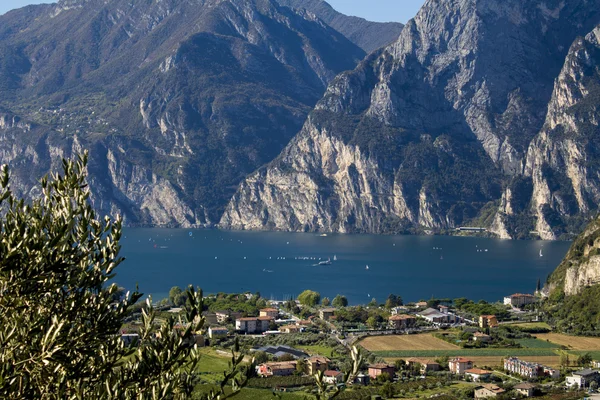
488 321
317 363
444 309
281 350
519 300
326 313
478 375
434 316
362 379
528 369
333 377
487 390
481 337
217 332
253 324
459 365
222 316
582 379
595 364
401 321
285 368
525 389
377 369
209 317
291 329
269 312
399 310
424 364
130 339
421 304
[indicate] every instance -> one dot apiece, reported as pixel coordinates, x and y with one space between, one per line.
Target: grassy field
254 394
571 342
405 343
537 344
529 325
318 350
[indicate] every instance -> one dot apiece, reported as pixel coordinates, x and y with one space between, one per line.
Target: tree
393 301
564 359
300 366
339 301
584 359
373 302
538 287
177 296
387 390
59 321
372 322
325 302
309 298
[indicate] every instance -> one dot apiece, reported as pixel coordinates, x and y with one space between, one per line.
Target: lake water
414 267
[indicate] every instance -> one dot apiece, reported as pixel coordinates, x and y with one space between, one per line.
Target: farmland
411 343
571 342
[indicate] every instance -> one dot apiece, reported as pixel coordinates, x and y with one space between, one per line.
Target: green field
533 343
466 353
318 349
254 394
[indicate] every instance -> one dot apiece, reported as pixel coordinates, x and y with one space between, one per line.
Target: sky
373 10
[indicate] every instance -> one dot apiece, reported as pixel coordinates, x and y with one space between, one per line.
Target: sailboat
541 255
334 257
367 267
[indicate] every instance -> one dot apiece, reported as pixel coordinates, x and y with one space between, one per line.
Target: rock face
368 35
562 160
177 100
581 265
431 132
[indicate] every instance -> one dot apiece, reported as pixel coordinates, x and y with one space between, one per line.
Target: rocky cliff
562 160
177 100
431 132
368 35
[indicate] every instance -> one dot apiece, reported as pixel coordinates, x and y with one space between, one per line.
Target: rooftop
269 310
585 372
401 317
525 385
460 359
328 310
332 373
380 366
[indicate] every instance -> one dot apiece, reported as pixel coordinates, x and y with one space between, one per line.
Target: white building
582 379
519 300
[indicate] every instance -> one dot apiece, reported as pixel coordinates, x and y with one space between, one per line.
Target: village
425 349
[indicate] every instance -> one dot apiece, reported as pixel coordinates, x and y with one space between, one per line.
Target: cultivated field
571 342
423 341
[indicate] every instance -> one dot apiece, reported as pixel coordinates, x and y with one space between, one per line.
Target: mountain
368 35
177 100
562 163
573 289
429 133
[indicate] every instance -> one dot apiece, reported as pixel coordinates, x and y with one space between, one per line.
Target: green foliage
578 314
325 302
482 308
393 301
339 301
309 298
59 320
177 296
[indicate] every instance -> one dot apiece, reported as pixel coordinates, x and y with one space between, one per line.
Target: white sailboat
334 257
367 267
541 255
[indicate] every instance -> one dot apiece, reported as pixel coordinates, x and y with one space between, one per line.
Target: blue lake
414 267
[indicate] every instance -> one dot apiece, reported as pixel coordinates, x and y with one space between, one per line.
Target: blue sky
374 10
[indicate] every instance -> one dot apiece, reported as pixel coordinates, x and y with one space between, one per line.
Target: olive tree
309 298
60 316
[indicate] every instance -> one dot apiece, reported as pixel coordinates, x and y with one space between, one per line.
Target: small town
439 348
